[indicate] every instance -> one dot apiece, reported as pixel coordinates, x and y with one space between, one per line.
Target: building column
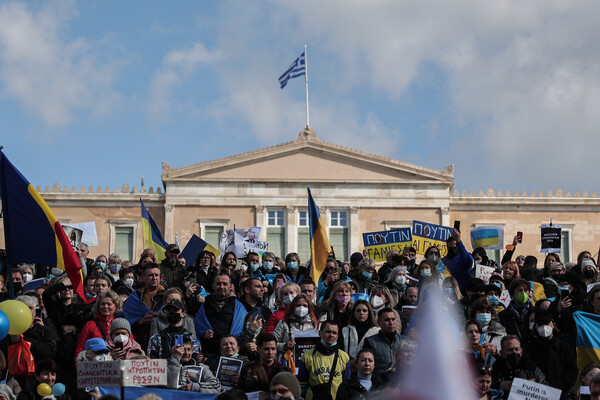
261 220
291 230
169 235
353 231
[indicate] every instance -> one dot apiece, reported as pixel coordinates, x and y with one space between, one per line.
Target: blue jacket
461 265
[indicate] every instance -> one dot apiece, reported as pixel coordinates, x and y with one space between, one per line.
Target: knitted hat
586 262
355 259
289 381
7 391
555 265
45 365
120 323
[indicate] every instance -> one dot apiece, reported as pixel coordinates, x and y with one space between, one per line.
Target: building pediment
306 159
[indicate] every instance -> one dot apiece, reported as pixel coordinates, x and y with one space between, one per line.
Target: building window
303 218
303 236
566 243
123 238
211 230
276 232
338 234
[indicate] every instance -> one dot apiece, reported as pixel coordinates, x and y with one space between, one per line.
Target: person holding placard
298 317
184 373
458 260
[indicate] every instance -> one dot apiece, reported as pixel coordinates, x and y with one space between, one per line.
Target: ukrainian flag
319 243
588 338
31 231
152 237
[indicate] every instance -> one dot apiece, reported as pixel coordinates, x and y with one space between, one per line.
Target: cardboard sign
488 237
121 373
426 235
90 236
484 272
522 389
95 373
379 243
305 340
228 368
551 235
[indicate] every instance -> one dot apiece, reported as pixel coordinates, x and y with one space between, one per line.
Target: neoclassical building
356 192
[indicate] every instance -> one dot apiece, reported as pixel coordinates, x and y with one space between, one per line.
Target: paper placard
95 373
191 372
74 235
484 272
426 235
551 238
122 373
145 372
522 389
305 340
90 236
505 298
377 244
228 367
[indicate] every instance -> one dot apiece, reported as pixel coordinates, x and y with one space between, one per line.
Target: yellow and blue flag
588 338
152 237
319 243
28 220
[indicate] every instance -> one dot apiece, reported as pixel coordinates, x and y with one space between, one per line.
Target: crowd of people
256 309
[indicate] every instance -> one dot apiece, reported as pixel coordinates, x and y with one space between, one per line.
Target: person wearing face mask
483 312
366 276
514 364
162 342
171 269
571 298
396 281
113 268
554 356
124 285
28 272
298 317
492 294
101 261
382 298
285 296
284 386
269 264
516 316
161 321
480 258
458 260
120 343
589 272
202 271
294 272
427 269
339 305
254 268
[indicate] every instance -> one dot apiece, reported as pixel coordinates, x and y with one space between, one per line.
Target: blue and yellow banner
488 237
379 243
152 237
319 243
588 338
426 235
32 232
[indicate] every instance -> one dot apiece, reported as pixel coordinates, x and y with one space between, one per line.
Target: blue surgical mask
254 266
494 300
268 264
449 290
293 265
326 345
114 268
101 264
561 288
367 275
484 319
425 272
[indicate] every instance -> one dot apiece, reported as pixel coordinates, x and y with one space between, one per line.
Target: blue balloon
58 389
4 325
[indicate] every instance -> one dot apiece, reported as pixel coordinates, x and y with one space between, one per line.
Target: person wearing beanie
516 316
589 270
121 344
285 385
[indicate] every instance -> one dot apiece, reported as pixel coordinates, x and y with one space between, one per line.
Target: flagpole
306 81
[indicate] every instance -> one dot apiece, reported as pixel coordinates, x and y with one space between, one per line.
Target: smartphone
519 237
38 312
256 311
457 225
179 340
119 345
563 294
279 282
192 281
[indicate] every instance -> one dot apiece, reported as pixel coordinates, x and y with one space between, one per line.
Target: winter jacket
351 389
556 359
285 329
275 318
208 382
160 323
384 350
90 330
350 338
516 320
527 370
460 265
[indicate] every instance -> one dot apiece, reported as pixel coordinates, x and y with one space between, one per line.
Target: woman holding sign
298 317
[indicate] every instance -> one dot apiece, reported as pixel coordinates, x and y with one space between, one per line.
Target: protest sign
227 369
94 373
145 372
305 340
379 243
522 389
505 298
488 237
251 236
484 272
193 247
74 235
551 235
90 236
426 235
191 372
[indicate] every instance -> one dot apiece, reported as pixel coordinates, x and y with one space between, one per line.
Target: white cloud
50 77
177 66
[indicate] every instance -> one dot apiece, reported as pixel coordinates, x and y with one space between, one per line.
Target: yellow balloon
44 389
19 316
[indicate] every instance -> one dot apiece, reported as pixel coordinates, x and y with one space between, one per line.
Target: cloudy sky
99 93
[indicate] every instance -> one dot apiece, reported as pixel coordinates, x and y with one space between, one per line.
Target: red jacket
90 330
275 318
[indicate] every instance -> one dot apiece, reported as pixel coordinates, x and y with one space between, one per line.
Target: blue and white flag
298 68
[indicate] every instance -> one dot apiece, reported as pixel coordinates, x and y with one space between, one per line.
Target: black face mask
589 273
17 286
251 384
514 360
173 318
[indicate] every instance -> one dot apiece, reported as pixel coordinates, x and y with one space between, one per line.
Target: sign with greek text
522 389
426 235
379 243
145 372
122 373
98 373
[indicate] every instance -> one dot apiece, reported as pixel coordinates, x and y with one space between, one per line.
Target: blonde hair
283 289
111 295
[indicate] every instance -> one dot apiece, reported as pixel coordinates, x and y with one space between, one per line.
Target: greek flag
298 68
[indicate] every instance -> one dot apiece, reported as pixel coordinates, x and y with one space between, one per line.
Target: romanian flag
152 237
588 338
31 231
319 243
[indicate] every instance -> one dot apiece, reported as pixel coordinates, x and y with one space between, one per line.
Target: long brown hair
371 318
290 313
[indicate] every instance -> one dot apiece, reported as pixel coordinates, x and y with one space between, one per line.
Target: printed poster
426 235
379 243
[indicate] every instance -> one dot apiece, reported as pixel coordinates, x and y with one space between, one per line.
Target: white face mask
301 311
400 280
377 302
545 331
101 357
121 339
128 282
27 277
